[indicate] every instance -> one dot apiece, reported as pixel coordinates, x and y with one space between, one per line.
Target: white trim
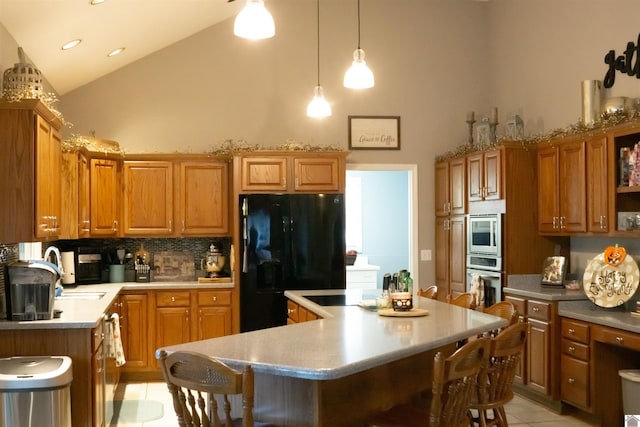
412 208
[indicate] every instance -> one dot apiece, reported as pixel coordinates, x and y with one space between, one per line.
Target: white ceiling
41 27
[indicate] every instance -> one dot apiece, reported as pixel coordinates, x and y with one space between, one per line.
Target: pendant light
358 76
318 107
254 22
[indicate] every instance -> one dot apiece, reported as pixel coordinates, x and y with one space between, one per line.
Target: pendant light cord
318 29
358 24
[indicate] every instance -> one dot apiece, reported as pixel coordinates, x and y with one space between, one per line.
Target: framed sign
374 132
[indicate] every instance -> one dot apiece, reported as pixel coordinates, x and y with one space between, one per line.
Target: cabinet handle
170 225
572 331
214 298
572 381
173 299
571 349
535 309
562 226
187 313
115 225
620 340
291 310
183 225
555 222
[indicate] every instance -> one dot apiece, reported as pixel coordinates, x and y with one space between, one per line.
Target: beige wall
433 61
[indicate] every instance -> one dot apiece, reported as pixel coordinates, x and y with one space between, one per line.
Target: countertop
88 313
349 339
616 317
529 286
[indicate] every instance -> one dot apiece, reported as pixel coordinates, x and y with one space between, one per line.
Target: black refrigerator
289 241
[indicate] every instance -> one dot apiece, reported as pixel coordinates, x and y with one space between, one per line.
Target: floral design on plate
610 286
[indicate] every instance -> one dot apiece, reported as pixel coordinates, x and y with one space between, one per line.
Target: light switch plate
425 255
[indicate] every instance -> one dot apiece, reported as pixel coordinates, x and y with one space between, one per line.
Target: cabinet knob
620 340
572 380
571 349
572 331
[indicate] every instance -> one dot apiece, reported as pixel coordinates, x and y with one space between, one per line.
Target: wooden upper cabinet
48 172
148 197
105 197
30 169
562 188
597 185
290 173
320 174
203 195
450 186
264 173
484 175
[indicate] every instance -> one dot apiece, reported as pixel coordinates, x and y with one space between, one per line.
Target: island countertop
349 339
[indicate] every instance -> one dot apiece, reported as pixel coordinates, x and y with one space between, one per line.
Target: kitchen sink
82 295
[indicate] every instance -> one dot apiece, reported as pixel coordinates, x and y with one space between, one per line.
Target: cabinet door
48 171
98 388
442 188
203 198
264 173
538 354
492 175
442 255
214 322
104 197
135 331
316 174
475 177
597 186
172 326
548 182
457 254
69 193
573 207
84 196
457 187
148 197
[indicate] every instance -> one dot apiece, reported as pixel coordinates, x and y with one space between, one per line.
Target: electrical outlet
425 255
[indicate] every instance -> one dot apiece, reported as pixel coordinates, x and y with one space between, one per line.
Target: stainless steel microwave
484 234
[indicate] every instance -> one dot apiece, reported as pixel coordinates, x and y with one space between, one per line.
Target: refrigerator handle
245 261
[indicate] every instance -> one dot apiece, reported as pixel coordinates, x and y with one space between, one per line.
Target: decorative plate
610 286
414 312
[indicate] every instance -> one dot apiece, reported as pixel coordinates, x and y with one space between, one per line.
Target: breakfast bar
337 370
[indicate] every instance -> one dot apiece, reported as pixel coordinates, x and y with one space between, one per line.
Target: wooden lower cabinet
539 364
575 364
154 319
298 314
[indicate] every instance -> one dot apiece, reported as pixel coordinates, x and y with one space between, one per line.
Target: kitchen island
338 370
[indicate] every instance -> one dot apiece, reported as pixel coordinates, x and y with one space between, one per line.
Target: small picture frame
374 132
553 271
483 132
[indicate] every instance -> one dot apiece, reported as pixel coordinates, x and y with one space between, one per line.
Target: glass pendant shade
254 22
359 75
318 107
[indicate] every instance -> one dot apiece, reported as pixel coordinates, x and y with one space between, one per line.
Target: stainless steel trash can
630 391
35 391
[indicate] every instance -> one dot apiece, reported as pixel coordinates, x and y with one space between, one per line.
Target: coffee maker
30 289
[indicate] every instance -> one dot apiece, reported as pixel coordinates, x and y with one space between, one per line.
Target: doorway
381 203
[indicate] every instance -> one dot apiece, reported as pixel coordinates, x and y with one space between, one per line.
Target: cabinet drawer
575 349
617 337
208 298
576 331
574 386
539 310
172 299
292 310
519 303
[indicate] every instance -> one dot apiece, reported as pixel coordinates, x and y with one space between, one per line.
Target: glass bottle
409 283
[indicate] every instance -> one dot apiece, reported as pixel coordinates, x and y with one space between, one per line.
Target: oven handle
484 274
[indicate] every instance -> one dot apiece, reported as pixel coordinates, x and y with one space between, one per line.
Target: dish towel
113 340
477 289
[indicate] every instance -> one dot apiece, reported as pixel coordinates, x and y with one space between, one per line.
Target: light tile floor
521 412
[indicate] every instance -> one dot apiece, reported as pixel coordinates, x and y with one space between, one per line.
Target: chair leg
502 417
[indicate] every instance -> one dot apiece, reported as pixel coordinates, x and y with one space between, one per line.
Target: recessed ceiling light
71 44
115 52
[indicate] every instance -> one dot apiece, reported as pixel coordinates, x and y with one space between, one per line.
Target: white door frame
412 185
